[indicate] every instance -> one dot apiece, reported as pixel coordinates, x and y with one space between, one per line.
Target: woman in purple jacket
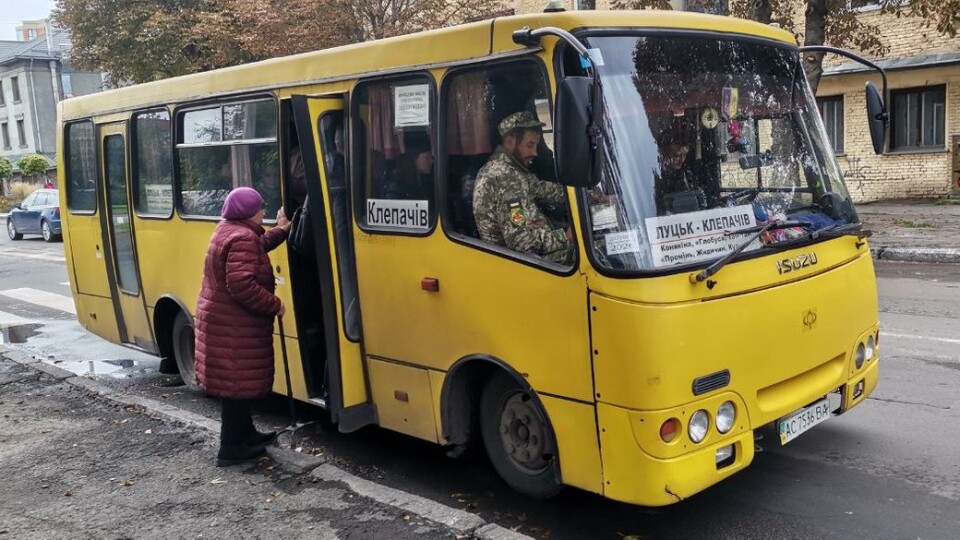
234 321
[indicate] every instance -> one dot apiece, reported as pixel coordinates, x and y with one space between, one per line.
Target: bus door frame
130 309
350 403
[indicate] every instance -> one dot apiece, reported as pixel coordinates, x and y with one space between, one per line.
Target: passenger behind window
509 199
412 179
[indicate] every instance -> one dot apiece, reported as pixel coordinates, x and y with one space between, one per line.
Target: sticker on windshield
730 98
401 214
697 236
622 242
604 216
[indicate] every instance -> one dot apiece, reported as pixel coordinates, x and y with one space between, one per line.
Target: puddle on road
114 368
19 333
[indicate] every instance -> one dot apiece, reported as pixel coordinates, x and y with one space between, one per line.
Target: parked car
39 214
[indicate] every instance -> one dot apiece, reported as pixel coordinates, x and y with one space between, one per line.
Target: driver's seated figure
676 187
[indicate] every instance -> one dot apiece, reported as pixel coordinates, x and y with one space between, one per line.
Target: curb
927 255
461 521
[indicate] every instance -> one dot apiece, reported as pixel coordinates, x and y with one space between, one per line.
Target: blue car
39 214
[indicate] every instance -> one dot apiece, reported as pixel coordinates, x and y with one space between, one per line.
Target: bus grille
713 381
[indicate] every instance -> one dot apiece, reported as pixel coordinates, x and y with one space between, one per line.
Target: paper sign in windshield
411 105
400 214
697 236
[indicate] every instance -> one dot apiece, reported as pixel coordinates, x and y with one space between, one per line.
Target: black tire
12 230
518 438
183 349
47 232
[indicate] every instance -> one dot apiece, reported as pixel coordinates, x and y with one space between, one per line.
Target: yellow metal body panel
404 399
648 355
575 426
95 313
631 475
525 316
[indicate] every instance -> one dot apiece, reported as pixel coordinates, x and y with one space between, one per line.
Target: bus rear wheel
183 350
518 438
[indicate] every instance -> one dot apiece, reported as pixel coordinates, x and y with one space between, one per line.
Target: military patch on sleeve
516 213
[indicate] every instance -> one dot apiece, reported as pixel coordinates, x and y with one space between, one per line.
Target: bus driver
507 195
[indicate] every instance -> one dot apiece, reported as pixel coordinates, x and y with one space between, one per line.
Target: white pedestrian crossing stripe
42 255
42 298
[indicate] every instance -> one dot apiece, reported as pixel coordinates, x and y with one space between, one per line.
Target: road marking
913 336
16 253
42 298
9 319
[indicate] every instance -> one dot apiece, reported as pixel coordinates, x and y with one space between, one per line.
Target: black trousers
236 422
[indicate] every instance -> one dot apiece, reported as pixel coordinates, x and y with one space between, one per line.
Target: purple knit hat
242 203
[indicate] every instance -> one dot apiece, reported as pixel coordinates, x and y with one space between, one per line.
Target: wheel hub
522 433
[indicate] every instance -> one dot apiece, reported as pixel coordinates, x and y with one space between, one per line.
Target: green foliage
20 190
33 165
6 168
5 205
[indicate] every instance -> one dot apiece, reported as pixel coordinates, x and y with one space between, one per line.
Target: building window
831 111
31 33
21 133
6 136
15 83
3 100
919 118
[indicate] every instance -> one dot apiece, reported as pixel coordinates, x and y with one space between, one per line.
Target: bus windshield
705 140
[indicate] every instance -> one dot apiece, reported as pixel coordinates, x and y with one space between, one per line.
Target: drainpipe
55 82
33 102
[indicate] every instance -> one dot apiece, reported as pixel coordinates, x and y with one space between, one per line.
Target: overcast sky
14 12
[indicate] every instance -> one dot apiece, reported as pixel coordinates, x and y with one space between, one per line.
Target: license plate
799 422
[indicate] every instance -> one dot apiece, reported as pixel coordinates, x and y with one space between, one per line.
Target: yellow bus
714 280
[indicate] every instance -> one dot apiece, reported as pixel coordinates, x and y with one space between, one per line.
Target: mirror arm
859 59
529 37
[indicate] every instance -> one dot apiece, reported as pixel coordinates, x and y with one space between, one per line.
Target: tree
33 165
830 22
143 40
6 168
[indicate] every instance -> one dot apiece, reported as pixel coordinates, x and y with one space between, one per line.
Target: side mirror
18 206
574 157
876 118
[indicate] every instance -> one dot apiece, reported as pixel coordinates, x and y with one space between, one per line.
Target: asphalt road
888 469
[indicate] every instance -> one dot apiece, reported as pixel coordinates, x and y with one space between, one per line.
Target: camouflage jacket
505 206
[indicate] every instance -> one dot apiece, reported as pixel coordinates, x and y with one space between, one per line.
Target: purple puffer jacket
235 312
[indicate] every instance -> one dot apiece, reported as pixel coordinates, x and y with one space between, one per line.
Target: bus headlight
870 348
861 354
699 424
726 416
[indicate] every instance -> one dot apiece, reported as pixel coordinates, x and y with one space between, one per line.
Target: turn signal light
669 430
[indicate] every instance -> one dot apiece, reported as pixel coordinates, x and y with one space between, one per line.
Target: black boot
263 439
237 454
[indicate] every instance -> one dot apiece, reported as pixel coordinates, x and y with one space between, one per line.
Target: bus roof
445 46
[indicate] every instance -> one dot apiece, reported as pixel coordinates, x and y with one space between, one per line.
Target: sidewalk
914 230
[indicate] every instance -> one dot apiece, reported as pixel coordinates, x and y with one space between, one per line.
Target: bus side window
394 157
224 147
476 102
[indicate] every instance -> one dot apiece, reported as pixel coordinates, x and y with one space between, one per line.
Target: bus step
319 401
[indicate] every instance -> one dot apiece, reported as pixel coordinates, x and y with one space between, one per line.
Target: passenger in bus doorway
234 321
509 198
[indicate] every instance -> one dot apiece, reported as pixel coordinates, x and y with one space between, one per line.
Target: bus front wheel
183 350
518 438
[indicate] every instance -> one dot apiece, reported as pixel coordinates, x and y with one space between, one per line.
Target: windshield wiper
697 277
830 231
